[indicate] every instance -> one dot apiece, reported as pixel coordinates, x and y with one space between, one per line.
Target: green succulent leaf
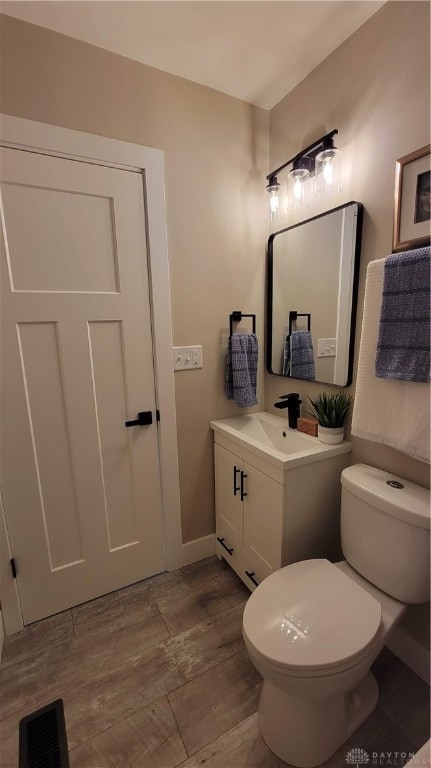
330 410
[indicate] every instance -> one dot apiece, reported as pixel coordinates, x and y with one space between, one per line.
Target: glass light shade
296 187
328 171
274 203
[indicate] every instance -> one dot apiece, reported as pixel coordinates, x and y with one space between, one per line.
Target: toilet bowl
313 628
313 632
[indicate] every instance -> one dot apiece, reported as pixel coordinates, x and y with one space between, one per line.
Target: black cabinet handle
251 577
229 550
243 493
235 489
144 418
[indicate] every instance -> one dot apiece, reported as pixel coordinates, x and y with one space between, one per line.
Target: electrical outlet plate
187 358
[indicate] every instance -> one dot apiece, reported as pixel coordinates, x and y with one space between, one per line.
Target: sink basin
270 437
269 431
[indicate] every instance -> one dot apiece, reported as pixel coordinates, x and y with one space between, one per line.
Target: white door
81 491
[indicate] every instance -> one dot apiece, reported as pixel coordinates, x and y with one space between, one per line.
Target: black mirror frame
270 276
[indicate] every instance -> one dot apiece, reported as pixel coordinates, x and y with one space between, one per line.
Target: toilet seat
309 618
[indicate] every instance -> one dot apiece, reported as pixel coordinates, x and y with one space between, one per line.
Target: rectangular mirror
312 289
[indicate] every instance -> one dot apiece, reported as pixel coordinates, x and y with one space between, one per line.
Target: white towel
396 413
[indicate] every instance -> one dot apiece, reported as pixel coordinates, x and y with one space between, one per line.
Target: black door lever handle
144 418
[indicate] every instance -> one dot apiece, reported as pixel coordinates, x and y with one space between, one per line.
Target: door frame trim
29 135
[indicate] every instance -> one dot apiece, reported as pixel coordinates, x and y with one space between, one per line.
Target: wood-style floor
157 676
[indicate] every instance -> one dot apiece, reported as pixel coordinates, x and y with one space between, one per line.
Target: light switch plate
187 358
327 347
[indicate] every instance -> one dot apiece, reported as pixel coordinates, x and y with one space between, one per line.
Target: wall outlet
326 347
187 358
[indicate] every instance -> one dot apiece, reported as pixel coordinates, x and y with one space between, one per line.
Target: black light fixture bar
316 145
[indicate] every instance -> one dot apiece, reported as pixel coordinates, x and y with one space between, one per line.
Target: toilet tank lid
411 503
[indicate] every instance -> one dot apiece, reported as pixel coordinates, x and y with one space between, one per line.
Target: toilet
314 628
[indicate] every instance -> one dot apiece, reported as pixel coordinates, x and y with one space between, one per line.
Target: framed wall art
412 219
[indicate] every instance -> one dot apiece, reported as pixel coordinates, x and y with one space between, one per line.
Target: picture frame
412 212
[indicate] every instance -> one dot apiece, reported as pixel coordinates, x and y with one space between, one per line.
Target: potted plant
330 412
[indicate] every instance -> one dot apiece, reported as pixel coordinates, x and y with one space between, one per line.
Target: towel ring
293 316
236 317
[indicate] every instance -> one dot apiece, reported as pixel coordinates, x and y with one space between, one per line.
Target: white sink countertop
271 438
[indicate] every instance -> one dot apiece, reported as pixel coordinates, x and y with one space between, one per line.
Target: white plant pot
330 435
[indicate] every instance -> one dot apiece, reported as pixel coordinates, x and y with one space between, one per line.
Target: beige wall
216 156
375 89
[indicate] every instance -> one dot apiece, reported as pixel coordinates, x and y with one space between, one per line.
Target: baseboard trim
198 549
412 653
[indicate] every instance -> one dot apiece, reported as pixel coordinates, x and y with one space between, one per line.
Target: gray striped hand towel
241 369
403 346
301 356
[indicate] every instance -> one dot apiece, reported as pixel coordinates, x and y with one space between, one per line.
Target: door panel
82 493
110 397
49 431
33 212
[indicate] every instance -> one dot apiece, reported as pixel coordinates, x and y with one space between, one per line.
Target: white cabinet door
82 493
250 517
229 504
263 522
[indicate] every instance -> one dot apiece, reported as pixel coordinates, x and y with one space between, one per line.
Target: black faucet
292 403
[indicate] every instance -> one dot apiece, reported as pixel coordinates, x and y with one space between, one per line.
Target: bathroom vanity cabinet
268 516
249 517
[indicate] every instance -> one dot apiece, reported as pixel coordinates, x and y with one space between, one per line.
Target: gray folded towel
301 355
241 369
403 346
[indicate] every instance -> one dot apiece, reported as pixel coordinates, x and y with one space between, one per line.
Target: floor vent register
42 738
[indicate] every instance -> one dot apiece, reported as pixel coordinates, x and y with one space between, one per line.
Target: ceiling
254 50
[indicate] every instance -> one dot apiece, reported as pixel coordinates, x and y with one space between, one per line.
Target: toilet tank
385 531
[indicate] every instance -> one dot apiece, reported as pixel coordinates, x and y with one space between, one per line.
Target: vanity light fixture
320 161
